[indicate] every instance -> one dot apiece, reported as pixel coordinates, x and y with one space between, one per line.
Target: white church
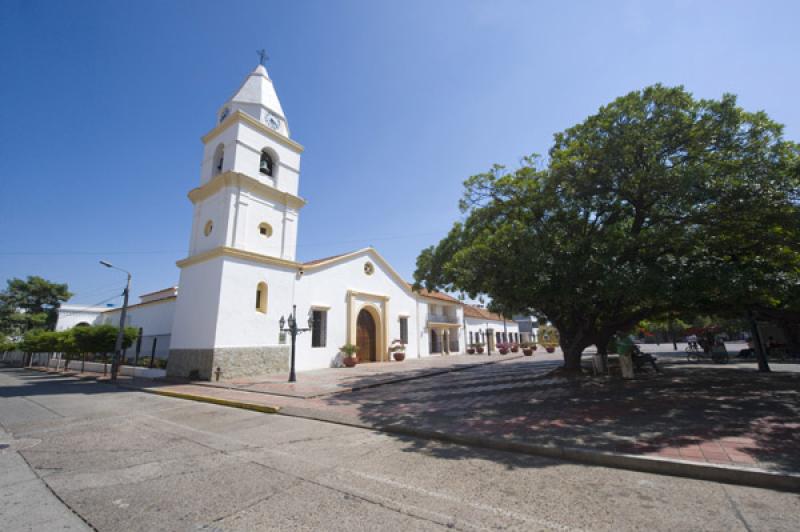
241 275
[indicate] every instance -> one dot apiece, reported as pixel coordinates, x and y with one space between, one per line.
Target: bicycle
694 354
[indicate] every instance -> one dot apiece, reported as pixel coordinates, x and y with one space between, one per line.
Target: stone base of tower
234 362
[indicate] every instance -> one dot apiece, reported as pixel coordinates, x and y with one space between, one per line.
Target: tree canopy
30 304
657 203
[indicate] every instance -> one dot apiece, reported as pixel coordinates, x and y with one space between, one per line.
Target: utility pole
121 331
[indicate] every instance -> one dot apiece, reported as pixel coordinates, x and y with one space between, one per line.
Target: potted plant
479 348
398 350
471 349
549 337
503 348
528 348
515 348
349 358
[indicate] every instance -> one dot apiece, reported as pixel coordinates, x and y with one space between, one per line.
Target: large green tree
31 303
657 203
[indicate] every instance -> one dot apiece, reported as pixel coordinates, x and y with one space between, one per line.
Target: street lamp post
121 331
294 330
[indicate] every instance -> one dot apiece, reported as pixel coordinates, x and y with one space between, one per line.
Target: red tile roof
436 295
481 313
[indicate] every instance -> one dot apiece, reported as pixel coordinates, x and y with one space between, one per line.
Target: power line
398 236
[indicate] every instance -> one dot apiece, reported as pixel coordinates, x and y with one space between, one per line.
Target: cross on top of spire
262 57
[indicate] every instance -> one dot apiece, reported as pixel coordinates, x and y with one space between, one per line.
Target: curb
264 409
752 477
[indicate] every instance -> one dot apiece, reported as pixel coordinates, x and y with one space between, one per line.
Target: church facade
241 275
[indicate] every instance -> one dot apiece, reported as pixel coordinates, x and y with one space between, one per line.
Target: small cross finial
262 56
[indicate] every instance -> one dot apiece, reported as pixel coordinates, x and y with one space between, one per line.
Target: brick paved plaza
711 414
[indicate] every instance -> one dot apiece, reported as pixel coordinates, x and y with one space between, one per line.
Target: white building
488 328
240 276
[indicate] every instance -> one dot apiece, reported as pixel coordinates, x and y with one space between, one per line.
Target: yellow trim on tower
228 179
240 116
237 254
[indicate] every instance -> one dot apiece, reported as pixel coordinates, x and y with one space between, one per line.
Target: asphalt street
126 460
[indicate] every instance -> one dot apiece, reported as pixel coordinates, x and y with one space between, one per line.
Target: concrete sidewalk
26 503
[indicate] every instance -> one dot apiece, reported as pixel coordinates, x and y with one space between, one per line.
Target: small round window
369 268
265 230
208 228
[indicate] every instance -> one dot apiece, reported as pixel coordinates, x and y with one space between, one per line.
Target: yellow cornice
240 116
368 294
238 254
244 181
440 325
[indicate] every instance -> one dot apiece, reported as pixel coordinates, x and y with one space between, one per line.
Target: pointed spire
258 90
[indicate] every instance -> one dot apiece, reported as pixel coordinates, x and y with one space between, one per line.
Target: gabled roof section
158 294
258 89
319 263
436 295
483 314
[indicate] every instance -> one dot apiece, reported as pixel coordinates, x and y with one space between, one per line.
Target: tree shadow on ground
756 416
58 383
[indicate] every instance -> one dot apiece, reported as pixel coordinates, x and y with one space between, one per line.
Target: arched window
219 159
267 165
261 297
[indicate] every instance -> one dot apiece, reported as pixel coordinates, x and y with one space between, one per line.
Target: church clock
273 121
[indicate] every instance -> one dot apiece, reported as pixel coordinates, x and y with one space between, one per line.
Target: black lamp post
294 330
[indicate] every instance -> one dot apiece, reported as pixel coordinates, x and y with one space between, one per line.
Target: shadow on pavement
756 415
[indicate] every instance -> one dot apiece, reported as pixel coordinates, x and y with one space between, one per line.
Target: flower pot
528 352
480 350
399 356
503 351
470 351
550 349
515 349
349 361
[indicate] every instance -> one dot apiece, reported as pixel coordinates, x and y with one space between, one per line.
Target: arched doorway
366 337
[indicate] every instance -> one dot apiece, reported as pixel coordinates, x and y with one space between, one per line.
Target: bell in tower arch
265 166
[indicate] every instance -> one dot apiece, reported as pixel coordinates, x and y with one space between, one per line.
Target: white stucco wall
71 315
475 325
239 323
197 306
328 286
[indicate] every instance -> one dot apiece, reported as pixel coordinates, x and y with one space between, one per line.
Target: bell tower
242 247
248 195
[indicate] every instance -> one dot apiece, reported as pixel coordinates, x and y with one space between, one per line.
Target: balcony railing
442 318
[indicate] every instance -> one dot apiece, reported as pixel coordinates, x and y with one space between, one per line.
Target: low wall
99 367
234 362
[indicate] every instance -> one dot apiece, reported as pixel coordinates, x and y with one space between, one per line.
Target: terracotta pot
470 351
479 349
515 349
503 351
528 352
399 356
349 361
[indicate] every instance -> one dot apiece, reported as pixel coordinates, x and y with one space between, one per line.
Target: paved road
125 460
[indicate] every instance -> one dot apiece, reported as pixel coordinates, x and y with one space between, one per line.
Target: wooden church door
366 337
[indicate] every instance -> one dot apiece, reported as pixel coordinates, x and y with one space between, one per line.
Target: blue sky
396 103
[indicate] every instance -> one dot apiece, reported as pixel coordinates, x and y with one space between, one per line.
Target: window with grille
404 330
319 328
